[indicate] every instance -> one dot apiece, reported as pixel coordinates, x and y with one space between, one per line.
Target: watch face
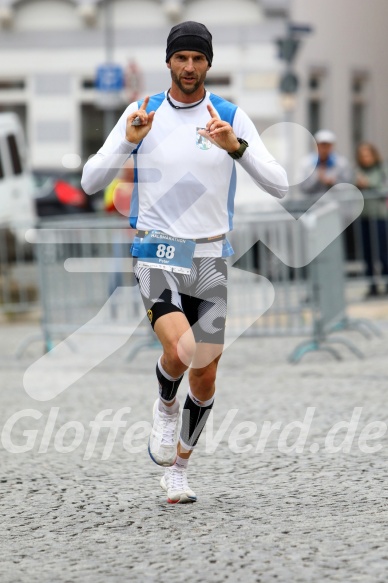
201 142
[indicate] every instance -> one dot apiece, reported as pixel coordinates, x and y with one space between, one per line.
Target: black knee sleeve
194 419
167 389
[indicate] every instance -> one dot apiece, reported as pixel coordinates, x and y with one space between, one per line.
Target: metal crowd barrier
87 285
18 275
86 279
309 292
365 242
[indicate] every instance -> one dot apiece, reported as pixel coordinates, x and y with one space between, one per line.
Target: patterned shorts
201 296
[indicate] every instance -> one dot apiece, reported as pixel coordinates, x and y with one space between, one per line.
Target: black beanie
190 36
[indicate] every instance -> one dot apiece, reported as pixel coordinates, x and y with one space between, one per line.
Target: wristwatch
239 153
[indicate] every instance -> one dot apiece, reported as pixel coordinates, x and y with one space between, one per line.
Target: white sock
181 463
168 409
198 402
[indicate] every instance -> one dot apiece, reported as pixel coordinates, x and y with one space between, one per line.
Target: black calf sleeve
194 419
167 389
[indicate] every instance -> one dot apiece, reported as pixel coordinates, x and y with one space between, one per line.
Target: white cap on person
325 137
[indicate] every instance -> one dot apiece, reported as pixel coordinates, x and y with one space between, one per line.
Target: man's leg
206 311
200 397
198 405
170 368
160 294
171 312
169 329
205 308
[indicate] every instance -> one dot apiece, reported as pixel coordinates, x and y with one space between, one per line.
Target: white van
17 206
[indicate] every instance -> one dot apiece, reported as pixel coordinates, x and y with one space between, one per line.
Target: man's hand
326 180
137 133
220 132
362 181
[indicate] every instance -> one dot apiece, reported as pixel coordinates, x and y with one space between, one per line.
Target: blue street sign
110 78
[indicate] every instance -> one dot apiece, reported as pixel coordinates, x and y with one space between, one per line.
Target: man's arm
345 171
309 176
257 161
103 167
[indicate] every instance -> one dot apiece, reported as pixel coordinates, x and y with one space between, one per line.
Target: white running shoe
163 440
174 482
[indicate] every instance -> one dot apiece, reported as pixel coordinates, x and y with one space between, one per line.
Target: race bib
160 251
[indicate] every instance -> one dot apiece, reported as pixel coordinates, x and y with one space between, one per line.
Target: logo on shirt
201 142
150 315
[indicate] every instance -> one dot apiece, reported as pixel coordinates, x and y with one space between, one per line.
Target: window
218 80
359 107
316 100
1 168
315 116
358 123
14 152
88 84
11 84
19 108
92 129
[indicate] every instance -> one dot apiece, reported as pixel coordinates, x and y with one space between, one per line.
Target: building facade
50 51
342 70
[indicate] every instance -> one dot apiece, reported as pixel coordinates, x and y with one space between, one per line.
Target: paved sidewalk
262 516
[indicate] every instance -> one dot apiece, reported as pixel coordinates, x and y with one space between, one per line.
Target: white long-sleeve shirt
184 184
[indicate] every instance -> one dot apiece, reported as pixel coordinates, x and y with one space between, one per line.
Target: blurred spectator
117 196
369 169
370 177
117 199
326 170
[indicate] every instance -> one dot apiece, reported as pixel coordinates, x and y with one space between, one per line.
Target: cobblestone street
261 516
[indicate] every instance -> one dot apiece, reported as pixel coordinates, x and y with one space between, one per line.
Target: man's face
188 70
324 150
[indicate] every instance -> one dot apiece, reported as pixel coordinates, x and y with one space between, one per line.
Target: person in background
117 195
370 177
369 170
326 170
117 200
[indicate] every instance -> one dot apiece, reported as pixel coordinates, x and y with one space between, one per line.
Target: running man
184 142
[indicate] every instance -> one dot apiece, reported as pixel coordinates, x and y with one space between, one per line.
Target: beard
192 88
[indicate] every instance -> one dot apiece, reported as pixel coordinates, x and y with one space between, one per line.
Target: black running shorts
201 296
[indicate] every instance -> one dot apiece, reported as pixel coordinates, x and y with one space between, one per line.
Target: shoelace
168 423
178 479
